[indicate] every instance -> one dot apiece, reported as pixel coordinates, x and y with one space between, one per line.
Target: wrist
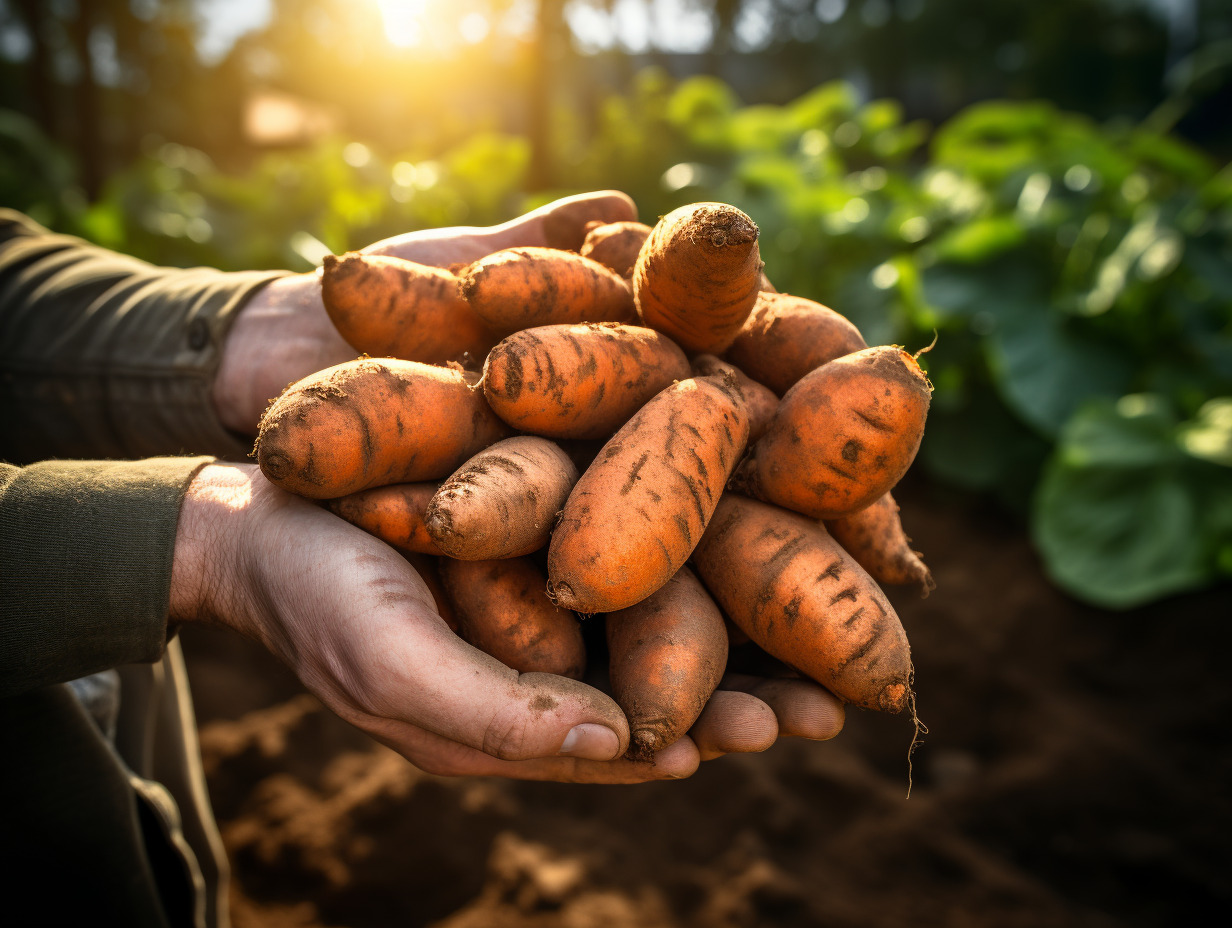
206 571
279 336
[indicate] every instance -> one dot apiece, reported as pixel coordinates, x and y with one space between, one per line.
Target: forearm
102 355
87 549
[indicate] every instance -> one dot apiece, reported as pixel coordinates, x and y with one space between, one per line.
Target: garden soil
1075 773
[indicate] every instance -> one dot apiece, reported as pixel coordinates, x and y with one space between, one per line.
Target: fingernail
592 742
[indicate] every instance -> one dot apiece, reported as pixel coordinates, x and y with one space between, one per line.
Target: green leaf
1135 431
1045 371
980 240
1119 537
1209 435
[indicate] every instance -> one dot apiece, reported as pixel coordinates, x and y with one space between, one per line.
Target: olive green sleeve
87 548
105 356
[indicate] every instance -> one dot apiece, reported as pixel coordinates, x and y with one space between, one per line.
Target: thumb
454 690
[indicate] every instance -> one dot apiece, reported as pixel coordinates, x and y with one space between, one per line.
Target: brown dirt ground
1075 774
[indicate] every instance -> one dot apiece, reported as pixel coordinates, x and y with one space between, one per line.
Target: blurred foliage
1078 277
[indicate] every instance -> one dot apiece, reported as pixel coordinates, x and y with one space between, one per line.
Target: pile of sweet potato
644 401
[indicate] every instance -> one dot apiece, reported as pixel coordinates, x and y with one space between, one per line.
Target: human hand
283 333
358 626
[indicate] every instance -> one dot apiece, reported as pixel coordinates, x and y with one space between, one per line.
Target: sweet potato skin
760 399
503 609
667 656
503 501
698 274
579 381
804 600
635 515
843 436
874 536
388 307
373 422
523 287
615 245
394 514
787 336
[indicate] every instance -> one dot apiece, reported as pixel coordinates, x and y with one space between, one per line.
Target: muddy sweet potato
373 422
635 515
615 245
388 307
667 656
394 514
874 536
519 288
503 501
579 381
786 336
803 599
698 274
842 437
503 609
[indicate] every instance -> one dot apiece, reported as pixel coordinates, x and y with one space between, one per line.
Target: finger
442 757
563 222
804 709
368 640
557 221
734 723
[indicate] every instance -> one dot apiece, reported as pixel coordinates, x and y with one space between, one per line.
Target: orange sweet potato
843 436
761 400
615 245
874 536
668 654
503 501
394 514
804 600
579 381
503 609
786 336
389 307
523 287
369 423
635 515
698 275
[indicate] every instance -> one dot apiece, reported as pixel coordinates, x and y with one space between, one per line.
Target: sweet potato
635 515
394 514
503 501
615 245
786 336
698 274
874 536
523 287
504 610
389 307
804 600
579 381
843 436
668 654
760 399
370 423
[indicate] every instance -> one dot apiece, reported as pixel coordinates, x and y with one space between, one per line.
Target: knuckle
506 735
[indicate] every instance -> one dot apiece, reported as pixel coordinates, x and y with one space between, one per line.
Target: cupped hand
283 333
358 626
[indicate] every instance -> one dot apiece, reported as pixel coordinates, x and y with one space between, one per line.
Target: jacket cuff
87 548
